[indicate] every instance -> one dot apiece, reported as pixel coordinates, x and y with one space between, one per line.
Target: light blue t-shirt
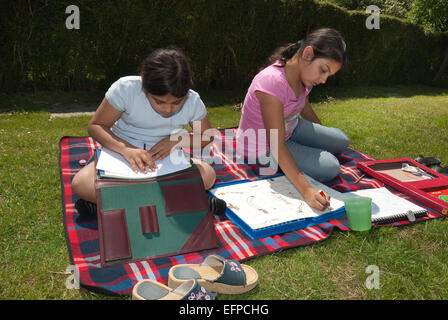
139 122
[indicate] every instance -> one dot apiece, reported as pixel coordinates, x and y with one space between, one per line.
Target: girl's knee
83 183
340 143
329 167
76 183
208 175
344 140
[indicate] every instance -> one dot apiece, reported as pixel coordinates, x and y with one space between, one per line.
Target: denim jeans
312 147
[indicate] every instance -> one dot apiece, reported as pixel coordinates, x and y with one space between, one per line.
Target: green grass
381 122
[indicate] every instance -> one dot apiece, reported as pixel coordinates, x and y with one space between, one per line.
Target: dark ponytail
326 43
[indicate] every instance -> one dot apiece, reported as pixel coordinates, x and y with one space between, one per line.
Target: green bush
226 41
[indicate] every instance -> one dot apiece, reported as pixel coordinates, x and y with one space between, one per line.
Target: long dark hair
326 43
166 71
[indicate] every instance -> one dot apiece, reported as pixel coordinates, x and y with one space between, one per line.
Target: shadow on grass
325 93
51 101
67 102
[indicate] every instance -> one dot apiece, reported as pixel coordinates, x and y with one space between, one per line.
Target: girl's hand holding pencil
139 159
163 148
317 199
326 197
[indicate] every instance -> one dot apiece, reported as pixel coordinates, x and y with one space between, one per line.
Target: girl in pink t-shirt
270 130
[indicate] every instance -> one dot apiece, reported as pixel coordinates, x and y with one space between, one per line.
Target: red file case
389 172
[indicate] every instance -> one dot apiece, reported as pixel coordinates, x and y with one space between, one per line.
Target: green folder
156 217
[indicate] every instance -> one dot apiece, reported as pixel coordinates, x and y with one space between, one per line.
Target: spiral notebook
388 207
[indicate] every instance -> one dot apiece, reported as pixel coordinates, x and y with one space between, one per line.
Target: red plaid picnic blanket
82 233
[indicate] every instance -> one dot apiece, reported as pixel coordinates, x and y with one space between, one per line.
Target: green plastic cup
359 213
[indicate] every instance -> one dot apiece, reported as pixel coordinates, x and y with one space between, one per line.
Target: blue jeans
312 147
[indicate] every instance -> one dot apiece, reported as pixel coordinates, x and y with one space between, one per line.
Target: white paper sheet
115 165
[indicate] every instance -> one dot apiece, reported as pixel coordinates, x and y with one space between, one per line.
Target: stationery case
156 217
420 187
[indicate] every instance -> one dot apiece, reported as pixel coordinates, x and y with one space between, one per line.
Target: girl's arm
99 129
309 114
199 137
272 111
199 129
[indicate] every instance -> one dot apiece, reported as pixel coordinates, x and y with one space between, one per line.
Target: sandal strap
197 292
232 272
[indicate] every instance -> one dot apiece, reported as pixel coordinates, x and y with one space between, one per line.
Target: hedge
226 41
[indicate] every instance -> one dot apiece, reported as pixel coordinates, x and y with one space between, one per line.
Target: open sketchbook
113 165
388 207
274 202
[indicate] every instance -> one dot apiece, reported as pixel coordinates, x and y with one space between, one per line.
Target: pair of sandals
199 281
432 163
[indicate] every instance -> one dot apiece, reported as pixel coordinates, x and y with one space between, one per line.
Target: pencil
359 179
322 193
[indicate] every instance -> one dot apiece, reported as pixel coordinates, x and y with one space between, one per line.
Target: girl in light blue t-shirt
138 116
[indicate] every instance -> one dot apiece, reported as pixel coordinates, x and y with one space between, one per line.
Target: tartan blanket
82 232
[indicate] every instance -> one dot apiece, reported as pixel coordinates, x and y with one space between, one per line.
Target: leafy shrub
226 41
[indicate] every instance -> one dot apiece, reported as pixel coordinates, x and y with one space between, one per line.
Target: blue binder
279 228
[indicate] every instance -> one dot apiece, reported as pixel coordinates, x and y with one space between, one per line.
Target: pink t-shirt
271 80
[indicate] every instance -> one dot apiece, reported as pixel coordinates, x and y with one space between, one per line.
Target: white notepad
388 207
114 165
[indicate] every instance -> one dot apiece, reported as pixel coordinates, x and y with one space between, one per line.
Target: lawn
383 122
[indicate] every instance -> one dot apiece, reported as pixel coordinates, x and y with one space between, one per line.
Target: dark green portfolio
157 217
